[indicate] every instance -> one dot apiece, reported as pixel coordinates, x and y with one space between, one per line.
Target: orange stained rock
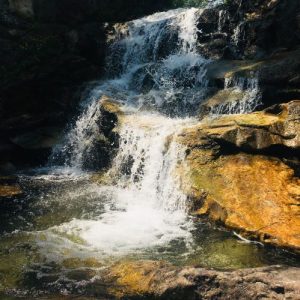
255 194
10 190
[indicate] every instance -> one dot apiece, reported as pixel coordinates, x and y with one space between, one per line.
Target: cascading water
146 207
250 97
155 66
158 73
158 76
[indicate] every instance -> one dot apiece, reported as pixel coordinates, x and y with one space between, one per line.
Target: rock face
277 126
243 38
277 77
23 7
107 142
9 188
254 193
158 280
247 29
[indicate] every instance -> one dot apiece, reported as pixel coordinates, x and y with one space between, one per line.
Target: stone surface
106 143
258 195
9 188
278 77
276 126
158 280
8 191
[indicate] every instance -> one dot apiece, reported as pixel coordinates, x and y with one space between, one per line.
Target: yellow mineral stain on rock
133 278
146 278
10 190
256 194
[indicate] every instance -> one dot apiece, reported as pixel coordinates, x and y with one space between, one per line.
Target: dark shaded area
45 58
76 11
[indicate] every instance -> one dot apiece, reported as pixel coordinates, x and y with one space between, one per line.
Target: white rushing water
154 65
146 208
158 72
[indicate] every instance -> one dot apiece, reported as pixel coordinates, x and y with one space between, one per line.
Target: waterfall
156 74
153 65
249 100
80 140
147 209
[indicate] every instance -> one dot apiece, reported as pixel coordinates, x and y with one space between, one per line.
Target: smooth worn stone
276 126
159 280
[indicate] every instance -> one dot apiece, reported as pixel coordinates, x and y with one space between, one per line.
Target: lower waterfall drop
146 208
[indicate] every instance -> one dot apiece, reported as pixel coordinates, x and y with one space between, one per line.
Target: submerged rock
256 194
150 279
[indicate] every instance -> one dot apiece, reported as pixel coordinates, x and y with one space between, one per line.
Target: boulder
253 193
9 188
159 280
276 126
106 142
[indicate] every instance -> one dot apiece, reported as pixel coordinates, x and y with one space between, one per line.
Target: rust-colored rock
256 194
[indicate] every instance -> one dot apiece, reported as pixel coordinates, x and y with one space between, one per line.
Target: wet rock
159 280
222 98
106 143
276 126
256 194
9 188
8 191
277 77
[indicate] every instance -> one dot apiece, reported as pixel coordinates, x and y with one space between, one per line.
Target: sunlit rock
257 194
276 126
9 188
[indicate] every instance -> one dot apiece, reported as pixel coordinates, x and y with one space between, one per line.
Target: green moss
227 254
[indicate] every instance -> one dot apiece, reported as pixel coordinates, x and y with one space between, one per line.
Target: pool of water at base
43 253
